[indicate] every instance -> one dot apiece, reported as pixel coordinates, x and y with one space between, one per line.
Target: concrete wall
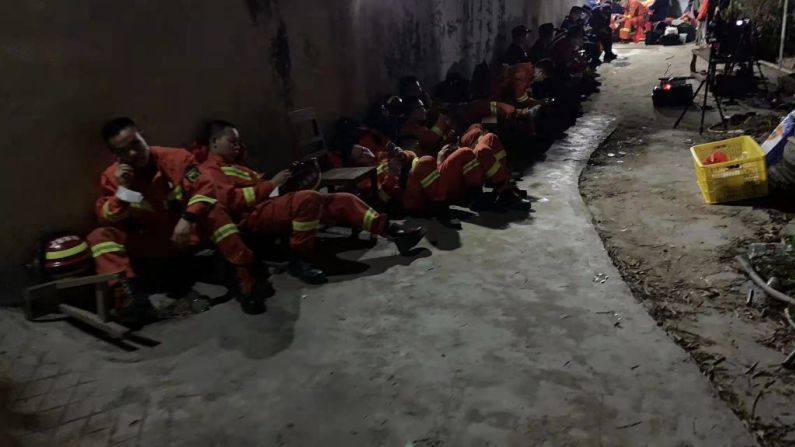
67 66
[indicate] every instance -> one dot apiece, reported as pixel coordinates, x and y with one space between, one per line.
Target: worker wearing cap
297 214
155 203
540 49
517 50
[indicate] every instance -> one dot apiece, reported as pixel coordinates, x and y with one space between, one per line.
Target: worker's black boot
520 192
131 305
252 287
481 201
511 200
441 212
306 272
404 237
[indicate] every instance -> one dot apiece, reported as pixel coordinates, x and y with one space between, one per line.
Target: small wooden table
44 299
349 178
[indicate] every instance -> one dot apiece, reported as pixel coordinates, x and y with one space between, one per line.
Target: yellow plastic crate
744 176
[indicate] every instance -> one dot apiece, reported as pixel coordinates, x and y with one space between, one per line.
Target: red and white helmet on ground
65 256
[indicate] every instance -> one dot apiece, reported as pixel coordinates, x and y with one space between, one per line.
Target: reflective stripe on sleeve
493 108
198 198
437 131
235 172
523 98
382 168
109 216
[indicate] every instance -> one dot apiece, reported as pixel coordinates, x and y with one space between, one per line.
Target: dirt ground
676 253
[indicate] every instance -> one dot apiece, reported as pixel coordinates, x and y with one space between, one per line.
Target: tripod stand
708 81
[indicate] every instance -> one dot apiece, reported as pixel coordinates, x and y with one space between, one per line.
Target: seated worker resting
571 64
298 214
452 109
415 118
156 203
494 161
426 184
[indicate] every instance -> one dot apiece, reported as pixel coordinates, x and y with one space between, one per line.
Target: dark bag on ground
686 28
653 37
671 39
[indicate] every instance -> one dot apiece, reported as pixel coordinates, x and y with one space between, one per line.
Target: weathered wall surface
67 66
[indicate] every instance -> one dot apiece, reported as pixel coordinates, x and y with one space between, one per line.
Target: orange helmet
64 256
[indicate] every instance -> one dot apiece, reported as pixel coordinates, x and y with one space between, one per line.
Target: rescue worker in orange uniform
431 140
635 22
298 214
425 185
156 203
493 160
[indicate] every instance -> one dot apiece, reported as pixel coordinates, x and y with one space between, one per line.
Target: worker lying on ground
156 203
298 214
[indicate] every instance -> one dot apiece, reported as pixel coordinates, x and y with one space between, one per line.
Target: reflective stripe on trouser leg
471 165
493 170
369 217
224 232
430 178
104 248
109 251
306 226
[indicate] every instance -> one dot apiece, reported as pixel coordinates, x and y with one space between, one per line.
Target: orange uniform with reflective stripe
431 140
431 181
298 214
476 111
144 230
491 155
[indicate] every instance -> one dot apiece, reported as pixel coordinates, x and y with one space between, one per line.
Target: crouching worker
298 214
155 203
493 160
424 185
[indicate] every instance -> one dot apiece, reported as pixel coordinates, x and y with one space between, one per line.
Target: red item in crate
716 157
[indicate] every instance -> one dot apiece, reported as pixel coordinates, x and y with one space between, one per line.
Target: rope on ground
746 265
